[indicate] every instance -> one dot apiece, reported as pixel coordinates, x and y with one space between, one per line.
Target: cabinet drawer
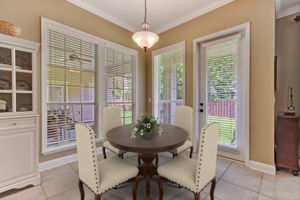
14 123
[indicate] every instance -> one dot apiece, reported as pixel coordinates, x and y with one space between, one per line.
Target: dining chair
112 119
191 174
184 120
100 176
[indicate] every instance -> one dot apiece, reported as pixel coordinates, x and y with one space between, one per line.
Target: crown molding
102 14
288 11
193 15
168 26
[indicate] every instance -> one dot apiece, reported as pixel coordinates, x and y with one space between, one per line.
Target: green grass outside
127 117
227 128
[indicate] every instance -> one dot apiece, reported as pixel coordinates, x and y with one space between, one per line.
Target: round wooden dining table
171 138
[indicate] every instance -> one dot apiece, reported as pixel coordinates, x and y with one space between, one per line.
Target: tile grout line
265 195
240 186
44 191
226 170
72 168
260 184
221 178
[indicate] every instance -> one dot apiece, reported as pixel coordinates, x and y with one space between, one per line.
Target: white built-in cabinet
18 113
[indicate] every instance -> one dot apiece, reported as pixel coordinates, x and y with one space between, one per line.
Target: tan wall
261 14
288 68
27 15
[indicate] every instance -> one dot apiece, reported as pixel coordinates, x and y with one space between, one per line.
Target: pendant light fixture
145 39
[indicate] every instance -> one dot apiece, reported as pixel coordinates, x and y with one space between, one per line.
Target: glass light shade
145 39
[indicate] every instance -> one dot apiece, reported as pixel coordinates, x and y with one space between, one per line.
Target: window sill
50 151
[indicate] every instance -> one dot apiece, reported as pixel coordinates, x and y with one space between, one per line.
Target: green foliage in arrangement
146 123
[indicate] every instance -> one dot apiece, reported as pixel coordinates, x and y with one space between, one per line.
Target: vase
147 135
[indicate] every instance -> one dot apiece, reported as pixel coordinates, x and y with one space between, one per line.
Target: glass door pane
5 57
6 102
23 60
24 102
5 80
220 95
23 81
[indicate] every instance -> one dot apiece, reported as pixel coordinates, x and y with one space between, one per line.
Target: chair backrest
184 119
87 156
207 156
111 118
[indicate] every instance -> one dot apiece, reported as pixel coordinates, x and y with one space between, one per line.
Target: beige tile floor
234 182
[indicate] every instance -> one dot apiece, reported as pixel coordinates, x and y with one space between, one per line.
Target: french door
221 93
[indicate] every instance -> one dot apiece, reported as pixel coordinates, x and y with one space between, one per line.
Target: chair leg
156 159
97 196
139 159
80 184
197 196
104 153
191 153
121 155
134 187
212 189
160 187
174 155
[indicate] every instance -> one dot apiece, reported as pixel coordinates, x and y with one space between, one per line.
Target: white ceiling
162 14
287 7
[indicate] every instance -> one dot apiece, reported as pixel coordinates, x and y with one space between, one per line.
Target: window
71 87
120 75
81 74
168 89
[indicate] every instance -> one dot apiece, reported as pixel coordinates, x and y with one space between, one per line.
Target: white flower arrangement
146 123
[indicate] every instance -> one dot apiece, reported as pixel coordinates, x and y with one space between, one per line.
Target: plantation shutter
171 84
120 82
71 83
222 59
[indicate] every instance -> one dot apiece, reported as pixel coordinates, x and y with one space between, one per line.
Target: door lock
201 110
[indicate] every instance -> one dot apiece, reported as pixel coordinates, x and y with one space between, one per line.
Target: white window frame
100 45
243 29
155 73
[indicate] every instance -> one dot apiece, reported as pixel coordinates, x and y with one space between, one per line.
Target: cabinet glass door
15 80
6 83
23 72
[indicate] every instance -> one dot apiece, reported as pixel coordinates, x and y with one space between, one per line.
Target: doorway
222 89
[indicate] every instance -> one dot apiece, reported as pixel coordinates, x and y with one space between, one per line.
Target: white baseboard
36 180
61 161
268 169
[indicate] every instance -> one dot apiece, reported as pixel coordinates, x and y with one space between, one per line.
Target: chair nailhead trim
94 160
201 158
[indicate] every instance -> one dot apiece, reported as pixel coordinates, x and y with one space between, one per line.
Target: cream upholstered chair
191 174
101 176
184 120
112 119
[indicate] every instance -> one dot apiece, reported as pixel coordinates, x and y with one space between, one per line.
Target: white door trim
244 29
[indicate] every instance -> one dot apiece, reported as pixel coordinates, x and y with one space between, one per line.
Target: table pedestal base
147 169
